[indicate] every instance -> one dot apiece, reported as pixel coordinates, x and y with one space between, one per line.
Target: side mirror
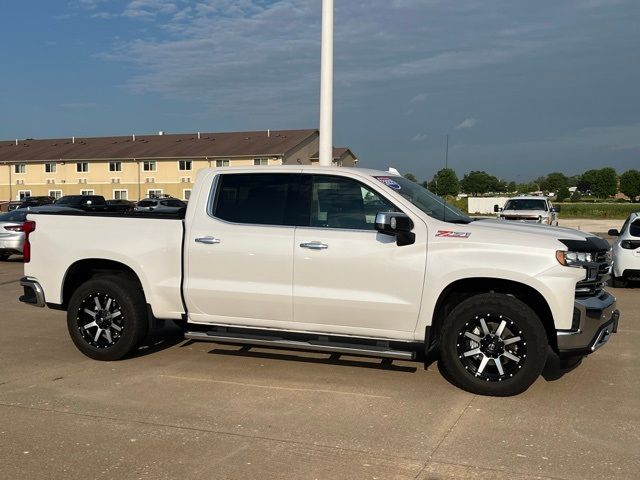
614 232
556 209
396 224
497 208
88 203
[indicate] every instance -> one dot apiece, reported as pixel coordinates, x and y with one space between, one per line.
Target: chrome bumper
595 319
33 293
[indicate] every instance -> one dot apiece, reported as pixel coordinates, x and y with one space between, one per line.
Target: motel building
138 166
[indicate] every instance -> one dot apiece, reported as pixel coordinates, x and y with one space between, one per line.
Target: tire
510 348
618 282
4 256
114 305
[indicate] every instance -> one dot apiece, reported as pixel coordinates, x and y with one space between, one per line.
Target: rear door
348 278
240 251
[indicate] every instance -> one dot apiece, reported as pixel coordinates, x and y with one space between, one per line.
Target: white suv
626 251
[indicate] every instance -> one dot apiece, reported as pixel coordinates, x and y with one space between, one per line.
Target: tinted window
174 203
262 199
339 202
634 229
146 203
526 204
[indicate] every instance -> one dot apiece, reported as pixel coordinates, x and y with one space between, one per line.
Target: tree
527 187
563 193
479 182
575 196
601 182
512 187
445 182
555 181
630 184
411 176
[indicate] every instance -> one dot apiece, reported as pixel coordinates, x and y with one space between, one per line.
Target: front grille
597 274
514 217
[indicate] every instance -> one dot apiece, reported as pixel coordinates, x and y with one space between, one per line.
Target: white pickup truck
529 210
346 260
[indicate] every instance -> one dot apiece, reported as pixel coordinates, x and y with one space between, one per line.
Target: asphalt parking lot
201 410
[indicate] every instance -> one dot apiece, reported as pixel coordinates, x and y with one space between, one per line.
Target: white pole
326 85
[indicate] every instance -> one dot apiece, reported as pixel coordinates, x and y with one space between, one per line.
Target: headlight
626 244
573 259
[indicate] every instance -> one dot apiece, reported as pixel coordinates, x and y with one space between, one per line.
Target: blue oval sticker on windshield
389 182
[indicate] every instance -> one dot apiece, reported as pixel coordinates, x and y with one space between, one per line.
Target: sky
522 88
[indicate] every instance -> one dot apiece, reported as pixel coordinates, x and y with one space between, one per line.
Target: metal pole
326 85
446 155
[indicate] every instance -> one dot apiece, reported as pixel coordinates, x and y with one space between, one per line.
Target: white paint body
546 216
363 284
626 259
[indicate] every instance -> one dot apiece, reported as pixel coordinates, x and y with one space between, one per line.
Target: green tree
601 182
527 187
630 184
512 187
411 176
576 196
445 182
480 182
563 193
555 181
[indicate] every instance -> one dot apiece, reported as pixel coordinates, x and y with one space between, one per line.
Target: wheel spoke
89 312
500 328
511 356
97 301
98 332
483 363
89 325
107 335
473 337
509 341
108 305
498 366
117 327
471 353
483 324
115 315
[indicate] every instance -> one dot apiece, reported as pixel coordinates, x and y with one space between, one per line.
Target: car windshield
429 203
526 204
14 216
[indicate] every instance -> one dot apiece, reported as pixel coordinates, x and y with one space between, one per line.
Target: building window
55 193
82 167
222 163
121 195
87 192
184 165
20 168
157 193
186 194
50 167
260 161
149 166
115 166
22 194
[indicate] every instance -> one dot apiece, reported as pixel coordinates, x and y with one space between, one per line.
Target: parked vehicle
121 206
30 202
87 203
529 210
12 233
14 205
290 258
626 251
160 205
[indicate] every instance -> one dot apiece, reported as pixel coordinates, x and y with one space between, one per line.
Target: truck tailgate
151 247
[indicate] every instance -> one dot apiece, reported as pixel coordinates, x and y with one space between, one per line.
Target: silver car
11 234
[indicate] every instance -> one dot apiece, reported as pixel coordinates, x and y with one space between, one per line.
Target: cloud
420 137
467 123
421 97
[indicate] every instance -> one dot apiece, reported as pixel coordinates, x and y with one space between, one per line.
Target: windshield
526 204
429 203
14 216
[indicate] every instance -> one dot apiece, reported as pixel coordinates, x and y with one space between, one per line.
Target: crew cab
529 210
329 259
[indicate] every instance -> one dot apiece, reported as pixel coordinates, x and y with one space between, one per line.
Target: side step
321 345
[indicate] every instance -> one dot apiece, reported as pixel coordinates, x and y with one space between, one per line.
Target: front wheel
493 344
107 317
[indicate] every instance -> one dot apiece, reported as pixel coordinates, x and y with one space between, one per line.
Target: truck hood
531 230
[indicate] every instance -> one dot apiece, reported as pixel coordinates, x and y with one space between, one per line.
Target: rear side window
146 203
634 229
262 199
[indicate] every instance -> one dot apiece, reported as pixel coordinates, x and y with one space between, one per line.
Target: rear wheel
4 256
107 317
493 344
618 282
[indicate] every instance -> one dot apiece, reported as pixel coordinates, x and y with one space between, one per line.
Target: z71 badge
452 234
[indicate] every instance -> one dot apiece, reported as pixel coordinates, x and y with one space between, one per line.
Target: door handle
208 240
315 245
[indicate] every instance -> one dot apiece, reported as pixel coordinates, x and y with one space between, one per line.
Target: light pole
326 86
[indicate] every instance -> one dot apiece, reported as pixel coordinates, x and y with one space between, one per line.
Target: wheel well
460 290
83 270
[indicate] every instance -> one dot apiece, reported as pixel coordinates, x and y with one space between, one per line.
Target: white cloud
421 97
467 123
420 137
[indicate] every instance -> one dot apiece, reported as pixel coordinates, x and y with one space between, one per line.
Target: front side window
184 165
50 167
20 168
115 166
82 167
149 166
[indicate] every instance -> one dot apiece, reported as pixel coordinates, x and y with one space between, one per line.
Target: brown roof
338 153
184 145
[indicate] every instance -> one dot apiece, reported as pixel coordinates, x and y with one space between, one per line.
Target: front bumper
595 319
33 293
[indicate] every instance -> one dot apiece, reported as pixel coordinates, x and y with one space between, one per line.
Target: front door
348 278
239 264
